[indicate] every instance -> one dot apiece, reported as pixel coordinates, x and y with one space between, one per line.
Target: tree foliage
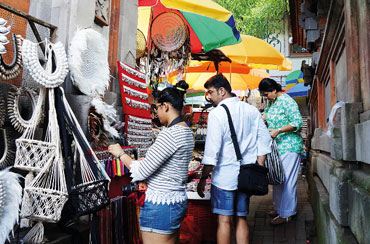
259 18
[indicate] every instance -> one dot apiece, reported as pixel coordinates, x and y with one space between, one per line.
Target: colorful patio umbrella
298 90
209 67
257 54
210 25
238 81
293 78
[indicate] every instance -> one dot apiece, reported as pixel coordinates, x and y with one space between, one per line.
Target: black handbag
252 178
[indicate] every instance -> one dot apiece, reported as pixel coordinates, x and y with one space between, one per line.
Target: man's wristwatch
280 130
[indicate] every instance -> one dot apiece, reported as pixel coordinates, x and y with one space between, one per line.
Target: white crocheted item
48 191
164 197
10 200
45 76
31 154
88 62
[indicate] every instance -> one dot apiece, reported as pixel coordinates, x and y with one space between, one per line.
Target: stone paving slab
298 231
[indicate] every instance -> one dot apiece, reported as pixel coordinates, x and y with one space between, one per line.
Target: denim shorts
229 203
162 218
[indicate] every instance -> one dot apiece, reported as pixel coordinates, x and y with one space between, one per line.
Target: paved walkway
299 230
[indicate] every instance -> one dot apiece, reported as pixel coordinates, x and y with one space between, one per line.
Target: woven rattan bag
87 180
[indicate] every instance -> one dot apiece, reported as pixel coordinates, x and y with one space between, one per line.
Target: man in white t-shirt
219 156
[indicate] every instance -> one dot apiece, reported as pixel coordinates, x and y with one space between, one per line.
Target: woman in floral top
284 122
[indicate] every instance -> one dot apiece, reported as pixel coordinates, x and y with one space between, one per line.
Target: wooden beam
37 35
26 16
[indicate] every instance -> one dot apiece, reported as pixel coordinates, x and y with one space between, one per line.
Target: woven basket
31 154
90 197
34 154
46 205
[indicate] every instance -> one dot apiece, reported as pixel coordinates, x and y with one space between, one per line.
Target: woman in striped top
164 169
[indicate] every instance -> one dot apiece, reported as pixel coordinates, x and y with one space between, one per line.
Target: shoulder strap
233 134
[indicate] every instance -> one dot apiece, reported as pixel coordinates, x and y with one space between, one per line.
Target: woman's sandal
280 220
272 213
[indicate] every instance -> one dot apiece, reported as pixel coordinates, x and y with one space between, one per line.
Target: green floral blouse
281 113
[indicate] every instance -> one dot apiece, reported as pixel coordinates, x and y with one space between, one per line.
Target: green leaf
259 18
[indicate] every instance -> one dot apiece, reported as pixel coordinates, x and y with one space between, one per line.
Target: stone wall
340 161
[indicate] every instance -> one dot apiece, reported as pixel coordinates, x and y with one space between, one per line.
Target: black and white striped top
165 167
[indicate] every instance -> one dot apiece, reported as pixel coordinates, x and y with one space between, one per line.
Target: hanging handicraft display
139 133
46 77
3 32
32 154
12 70
18 122
88 63
171 50
133 91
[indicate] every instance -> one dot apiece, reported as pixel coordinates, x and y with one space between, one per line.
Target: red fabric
204 219
148 3
190 232
126 108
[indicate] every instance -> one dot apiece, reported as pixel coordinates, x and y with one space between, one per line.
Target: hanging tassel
35 235
26 203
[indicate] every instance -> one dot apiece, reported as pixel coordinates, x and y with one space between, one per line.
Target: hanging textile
133 91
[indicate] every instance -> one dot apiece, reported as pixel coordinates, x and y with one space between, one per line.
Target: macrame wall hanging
10 200
33 154
47 193
171 50
12 70
88 63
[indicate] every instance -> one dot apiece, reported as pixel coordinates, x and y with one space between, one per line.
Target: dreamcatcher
88 63
140 44
171 50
